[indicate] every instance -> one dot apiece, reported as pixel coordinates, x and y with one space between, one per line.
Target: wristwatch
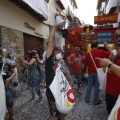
110 65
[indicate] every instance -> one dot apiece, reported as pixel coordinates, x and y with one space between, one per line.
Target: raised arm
107 47
51 39
32 61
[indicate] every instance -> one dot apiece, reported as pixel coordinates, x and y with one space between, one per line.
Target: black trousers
51 103
110 102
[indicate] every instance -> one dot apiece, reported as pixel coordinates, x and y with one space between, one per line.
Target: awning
111 5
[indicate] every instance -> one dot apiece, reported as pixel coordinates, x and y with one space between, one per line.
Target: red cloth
57 48
75 68
95 53
113 82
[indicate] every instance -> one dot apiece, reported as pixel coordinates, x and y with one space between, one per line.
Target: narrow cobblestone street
24 110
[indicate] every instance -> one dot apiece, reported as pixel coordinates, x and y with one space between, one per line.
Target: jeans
9 96
79 78
92 80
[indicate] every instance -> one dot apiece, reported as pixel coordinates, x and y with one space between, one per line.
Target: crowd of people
41 71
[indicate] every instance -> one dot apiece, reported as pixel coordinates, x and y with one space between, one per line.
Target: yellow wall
100 45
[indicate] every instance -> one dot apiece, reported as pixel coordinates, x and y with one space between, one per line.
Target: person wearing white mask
53 56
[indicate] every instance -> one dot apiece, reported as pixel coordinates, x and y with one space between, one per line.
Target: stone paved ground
24 110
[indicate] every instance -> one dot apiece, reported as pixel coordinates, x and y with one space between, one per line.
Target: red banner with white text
103 19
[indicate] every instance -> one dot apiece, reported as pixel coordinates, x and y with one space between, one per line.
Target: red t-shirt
113 82
95 53
76 68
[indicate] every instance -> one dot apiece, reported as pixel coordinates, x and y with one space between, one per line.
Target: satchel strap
93 60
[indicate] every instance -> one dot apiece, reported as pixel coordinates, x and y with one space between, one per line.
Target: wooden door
33 42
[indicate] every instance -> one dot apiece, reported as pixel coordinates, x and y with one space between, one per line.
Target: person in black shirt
53 54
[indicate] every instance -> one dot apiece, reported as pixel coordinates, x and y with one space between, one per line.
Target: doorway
33 42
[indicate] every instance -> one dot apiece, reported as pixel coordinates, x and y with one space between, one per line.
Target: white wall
14 17
51 20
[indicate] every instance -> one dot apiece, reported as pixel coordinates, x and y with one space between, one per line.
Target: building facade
109 7
26 24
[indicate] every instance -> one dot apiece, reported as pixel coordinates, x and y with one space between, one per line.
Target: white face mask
58 56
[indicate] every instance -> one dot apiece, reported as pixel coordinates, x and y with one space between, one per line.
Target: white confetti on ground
33 110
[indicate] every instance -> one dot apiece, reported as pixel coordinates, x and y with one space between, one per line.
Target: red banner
103 19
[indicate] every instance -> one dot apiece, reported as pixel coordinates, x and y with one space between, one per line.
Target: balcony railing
38 9
69 14
61 3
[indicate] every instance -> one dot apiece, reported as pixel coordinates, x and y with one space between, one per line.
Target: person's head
36 50
33 54
77 50
117 48
8 56
12 56
94 44
57 51
27 55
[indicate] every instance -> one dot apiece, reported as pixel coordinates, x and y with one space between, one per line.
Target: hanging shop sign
105 35
103 19
28 26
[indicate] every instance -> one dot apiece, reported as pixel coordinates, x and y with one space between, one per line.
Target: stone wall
13 41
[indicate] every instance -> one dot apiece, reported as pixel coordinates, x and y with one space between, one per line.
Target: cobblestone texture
24 110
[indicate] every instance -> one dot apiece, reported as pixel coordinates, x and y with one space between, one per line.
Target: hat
57 48
34 51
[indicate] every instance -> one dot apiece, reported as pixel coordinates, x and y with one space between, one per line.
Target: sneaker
97 103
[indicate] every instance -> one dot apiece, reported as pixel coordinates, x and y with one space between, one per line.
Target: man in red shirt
92 78
75 61
113 82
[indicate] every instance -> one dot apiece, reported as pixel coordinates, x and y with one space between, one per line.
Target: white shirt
44 56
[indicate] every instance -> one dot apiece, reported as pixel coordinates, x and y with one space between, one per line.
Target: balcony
34 8
111 6
61 3
58 19
69 14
